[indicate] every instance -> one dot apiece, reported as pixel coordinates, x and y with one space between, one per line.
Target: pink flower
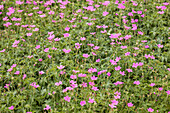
11 108
61 67
67 29
105 13
123 47
42 15
108 74
41 72
117 68
34 85
40 59
130 104
17 72
121 6
168 92
117 97
93 53
46 49
49 56
82 103
118 82
96 47
82 38
67 98
47 107
73 76
135 65
14 65
98 60
139 32
66 51
58 83
152 84
117 93
86 55
94 78
94 88
115 102
38 46
81 75
113 62
84 84
160 46
66 34
2 51
129 70
91 100
112 105
160 89
24 76
106 3
168 69
127 54
89 24
136 82
122 73
117 59
29 34
150 110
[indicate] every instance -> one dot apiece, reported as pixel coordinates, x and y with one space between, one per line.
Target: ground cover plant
84 56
